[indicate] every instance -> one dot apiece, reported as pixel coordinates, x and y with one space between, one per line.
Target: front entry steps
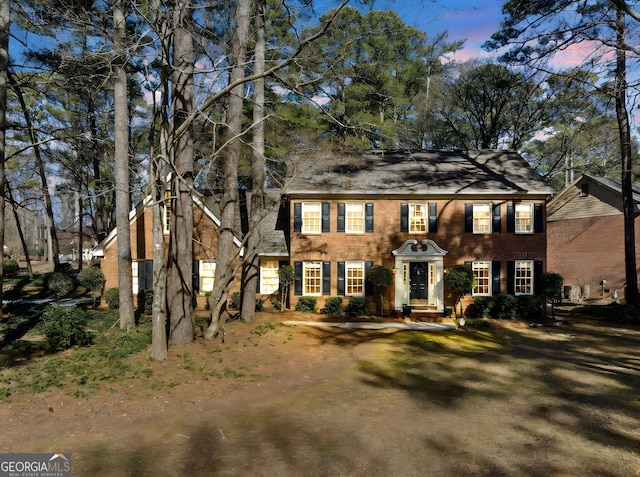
423 313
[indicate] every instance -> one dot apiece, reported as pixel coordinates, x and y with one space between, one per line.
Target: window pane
524 218
207 275
312 217
312 278
524 278
481 218
354 218
418 218
355 278
482 272
269 279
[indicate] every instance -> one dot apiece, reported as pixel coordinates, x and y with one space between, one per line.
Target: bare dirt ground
275 400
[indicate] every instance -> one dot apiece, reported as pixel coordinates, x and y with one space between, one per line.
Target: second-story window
418 218
481 218
524 218
354 218
312 217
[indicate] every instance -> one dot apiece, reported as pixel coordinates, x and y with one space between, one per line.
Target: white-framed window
312 217
524 277
135 275
354 219
269 276
481 218
482 272
312 278
523 218
354 278
419 218
166 213
207 275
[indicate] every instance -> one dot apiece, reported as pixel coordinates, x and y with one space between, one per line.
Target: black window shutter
368 286
341 284
538 224
511 277
326 227
297 280
297 217
495 277
511 218
497 226
326 278
195 275
404 217
148 274
433 217
468 218
368 217
469 264
537 272
341 209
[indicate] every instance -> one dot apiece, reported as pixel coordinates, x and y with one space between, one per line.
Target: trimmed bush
259 304
60 284
357 306
234 301
10 267
66 327
277 305
477 324
483 306
92 278
506 307
529 307
333 306
307 304
112 298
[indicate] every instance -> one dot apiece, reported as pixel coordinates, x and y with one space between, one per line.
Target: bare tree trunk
229 203
52 237
121 127
159 343
5 12
251 270
628 205
23 242
180 255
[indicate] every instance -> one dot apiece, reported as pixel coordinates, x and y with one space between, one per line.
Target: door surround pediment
414 250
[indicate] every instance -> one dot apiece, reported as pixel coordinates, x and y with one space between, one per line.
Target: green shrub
60 284
65 327
10 267
357 306
259 304
615 312
333 306
145 300
506 307
483 306
529 307
91 278
277 305
477 323
234 301
112 298
307 304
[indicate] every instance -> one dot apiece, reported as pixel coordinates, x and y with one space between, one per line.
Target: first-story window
269 278
482 272
354 278
312 278
207 274
524 277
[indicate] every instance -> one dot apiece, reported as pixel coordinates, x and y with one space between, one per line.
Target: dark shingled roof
418 172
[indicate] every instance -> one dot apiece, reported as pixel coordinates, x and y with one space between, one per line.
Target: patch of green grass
263 329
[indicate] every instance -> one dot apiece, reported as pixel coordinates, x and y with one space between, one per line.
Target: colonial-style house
586 238
271 251
418 213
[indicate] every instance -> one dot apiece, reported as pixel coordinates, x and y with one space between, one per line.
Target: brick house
272 251
586 238
417 213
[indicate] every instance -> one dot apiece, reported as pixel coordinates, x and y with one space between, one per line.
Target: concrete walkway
410 325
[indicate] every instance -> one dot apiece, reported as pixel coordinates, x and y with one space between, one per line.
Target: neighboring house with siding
418 213
585 236
271 251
